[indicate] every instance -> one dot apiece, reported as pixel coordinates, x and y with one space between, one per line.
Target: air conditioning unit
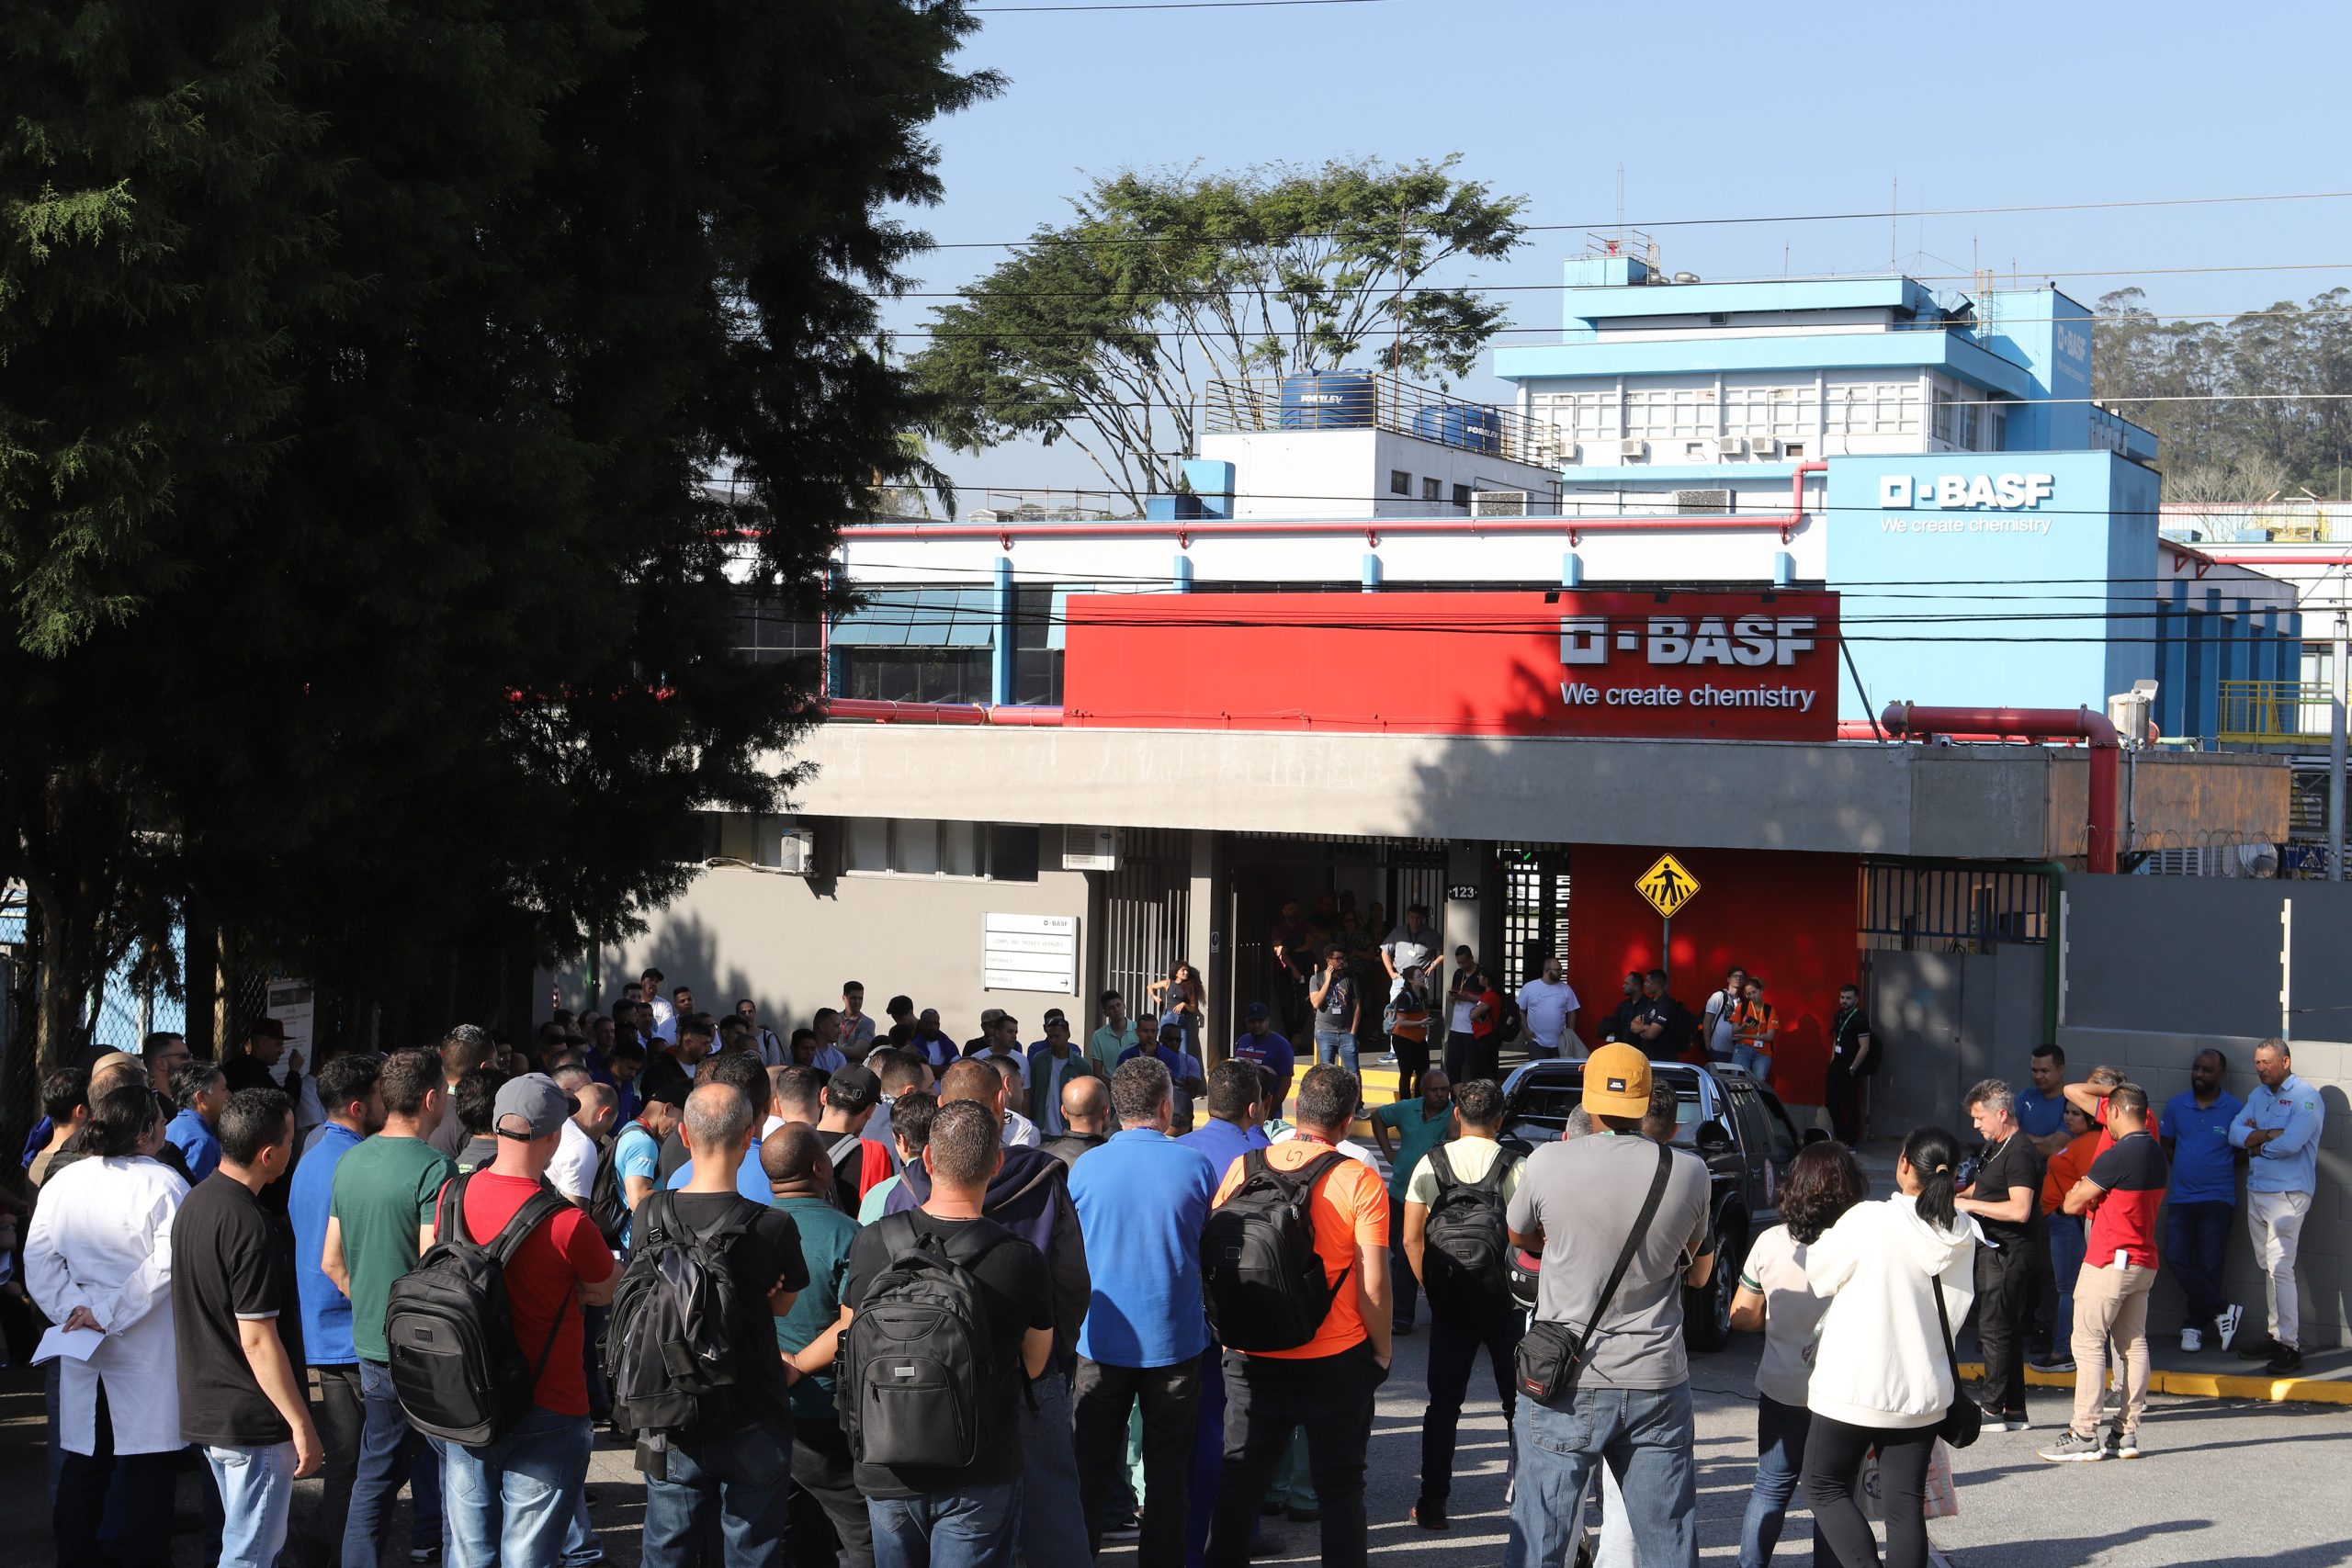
1090 849
1733 445
1764 445
1631 450
1570 453
790 849
1497 504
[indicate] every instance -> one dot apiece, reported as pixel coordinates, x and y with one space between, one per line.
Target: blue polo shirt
1152 1193
2288 1163
326 1310
197 1143
1179 1066
1269 1050
749 1179
1223 1142
2037 1117
2204 1165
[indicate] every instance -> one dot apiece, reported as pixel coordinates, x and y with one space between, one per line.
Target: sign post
1667 885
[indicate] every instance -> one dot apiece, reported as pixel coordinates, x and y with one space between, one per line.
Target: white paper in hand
74 1343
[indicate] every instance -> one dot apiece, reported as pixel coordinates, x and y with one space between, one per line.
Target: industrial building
1399 649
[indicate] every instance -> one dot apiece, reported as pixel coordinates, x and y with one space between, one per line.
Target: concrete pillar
1469 866
1208 942
1572 570
1001 664
1784 568
1371 572
1183 574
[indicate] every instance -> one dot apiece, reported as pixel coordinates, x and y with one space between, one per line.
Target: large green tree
1107 332
2243 409
363 371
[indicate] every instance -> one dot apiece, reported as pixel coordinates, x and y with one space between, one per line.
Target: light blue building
1993 530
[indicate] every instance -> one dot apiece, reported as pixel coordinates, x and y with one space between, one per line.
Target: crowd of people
860 1292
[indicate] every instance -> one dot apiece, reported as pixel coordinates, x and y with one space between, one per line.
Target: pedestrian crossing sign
1667 885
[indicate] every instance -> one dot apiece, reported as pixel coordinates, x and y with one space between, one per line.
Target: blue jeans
1780 1464
1757 1065
2065 1262
1645 1435
390 1452
1335 1045
257 1492
1053 1521
971 1528
730 1487
510 1502
2196 1236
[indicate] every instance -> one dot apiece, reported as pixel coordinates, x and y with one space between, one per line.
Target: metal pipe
940 713
2037 724
2335 721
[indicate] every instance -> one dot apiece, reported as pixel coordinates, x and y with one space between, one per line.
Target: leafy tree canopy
2236 447
1105 332
361 371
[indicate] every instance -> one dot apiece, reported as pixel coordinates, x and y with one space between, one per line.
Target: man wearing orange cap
1616 1208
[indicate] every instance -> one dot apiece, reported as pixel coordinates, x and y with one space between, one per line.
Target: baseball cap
1256 1010
990 1016
536 1101
1617 1082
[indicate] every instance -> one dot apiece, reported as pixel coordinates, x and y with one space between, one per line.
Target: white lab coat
102 1239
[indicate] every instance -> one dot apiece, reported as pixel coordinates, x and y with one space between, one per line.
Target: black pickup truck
1735 1124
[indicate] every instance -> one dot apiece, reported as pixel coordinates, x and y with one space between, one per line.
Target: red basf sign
1756 665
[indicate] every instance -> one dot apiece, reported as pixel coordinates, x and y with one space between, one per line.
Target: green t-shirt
1416 1136
384 1190
825 1236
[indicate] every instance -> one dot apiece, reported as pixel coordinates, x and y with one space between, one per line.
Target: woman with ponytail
1883 1371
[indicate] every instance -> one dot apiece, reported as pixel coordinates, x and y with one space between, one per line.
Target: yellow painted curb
2206 1385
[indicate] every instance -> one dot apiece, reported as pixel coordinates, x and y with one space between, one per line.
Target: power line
1698 223
1169 5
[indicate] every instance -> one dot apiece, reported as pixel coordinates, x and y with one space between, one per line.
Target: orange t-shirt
1350 1208
2067 1167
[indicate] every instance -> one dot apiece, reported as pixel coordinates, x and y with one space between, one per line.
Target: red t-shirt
561 1255
1482 1027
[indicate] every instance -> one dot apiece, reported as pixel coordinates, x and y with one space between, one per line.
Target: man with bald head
721 1479
825 1488
1086 1115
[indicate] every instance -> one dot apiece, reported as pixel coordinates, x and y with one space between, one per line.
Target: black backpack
1260 1272
449 1327
608 1200
676 1321
919 1380
1466 1261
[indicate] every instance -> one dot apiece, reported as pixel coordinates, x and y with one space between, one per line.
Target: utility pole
2336 748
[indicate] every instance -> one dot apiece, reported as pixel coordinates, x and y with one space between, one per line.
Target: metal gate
1535 909
1266 869
1146 908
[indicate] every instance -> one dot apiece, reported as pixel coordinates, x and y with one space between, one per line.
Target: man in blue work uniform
2195 1129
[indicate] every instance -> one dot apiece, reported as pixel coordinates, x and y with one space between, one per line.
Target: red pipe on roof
938 712
2037 724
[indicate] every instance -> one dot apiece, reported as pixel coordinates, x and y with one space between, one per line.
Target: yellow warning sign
1667 885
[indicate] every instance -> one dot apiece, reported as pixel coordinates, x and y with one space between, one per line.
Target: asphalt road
2230 1485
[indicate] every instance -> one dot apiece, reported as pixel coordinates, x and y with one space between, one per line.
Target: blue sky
1714 110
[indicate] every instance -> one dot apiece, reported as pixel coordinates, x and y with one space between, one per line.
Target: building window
1883 408
1767 411
1036 650
766 632
1399 482
1947 426
1432 490
1462 495
917 846
911 644
1662 412
917 675
1579 416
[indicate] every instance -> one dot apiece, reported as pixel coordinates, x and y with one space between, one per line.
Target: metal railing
2269 712
2300 521
1248 405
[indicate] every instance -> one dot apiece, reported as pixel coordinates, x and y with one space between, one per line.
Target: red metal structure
1904 719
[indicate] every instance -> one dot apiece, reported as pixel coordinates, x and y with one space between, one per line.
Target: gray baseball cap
536 1101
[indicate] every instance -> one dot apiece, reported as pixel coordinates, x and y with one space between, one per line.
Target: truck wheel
1706 1311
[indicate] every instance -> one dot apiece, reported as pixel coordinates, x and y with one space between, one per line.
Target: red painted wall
1788 916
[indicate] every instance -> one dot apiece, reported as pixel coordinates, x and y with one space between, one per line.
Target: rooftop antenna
1894 214
1621 201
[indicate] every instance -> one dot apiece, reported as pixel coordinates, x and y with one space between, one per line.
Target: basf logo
2006 493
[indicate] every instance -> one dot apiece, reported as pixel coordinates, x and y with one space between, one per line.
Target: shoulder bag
1553 1353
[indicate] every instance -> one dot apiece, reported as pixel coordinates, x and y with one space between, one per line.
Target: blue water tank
1330 399
1470 427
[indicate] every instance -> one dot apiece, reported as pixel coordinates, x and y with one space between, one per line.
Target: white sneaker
2191 1341
2228 1324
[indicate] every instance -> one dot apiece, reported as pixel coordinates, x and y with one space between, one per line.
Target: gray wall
1949 1020
2159 968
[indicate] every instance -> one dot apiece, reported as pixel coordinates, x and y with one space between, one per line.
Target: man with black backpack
1459 1247
1295 1267
951 1315
1622 1225
511 1337
693 1353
